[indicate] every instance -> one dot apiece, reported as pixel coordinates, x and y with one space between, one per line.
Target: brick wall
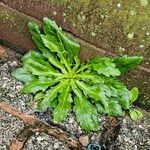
101 27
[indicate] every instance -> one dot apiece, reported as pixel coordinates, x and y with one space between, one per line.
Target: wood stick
37 125
21 139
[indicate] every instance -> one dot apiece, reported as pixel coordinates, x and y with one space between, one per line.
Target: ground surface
132 135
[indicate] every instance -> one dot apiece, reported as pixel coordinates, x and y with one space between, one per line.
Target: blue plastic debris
93 146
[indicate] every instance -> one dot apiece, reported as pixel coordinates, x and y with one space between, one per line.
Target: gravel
9 126
132 135
43 141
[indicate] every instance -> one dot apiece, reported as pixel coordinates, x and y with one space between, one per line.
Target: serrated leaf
35 85
70 45
52 44
35 32
91 76
22 74
37 66
87 90
67 44
33 28
52 59
64 105
105 66
104 94
120 92
104 91
55 46
36 36
51 95
86 113
123 99
77 63
100 108
134 94
50 26
114 109
36 59
135 114
126 63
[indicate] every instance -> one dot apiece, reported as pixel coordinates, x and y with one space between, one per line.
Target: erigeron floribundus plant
56 77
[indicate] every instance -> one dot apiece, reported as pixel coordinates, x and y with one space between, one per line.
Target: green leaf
55 46
35 32
124 98
37 66
105 66
87 90
38 96
77 63
135 114
51 95
86 113
134 94
114 109
67 44
54 103
36 59
36 36
52 44
50 27
91 76
36 85
22 74
64 105
31 53
53 60
100 108
70 45
120 92
126 63
104 91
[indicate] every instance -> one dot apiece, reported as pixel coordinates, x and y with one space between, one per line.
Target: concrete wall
103 27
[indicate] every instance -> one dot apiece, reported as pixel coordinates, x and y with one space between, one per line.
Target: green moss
113 22
16 22
5 15
86 2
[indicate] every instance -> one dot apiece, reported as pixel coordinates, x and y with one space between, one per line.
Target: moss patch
124 25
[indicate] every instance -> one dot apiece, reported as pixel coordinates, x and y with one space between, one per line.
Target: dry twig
39 126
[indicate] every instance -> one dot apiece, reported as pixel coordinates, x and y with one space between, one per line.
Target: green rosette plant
58 80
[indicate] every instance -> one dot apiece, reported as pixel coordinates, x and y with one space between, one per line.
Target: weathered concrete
13 30
122 27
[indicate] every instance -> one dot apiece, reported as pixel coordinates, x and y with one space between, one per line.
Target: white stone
93 34
118 5
55 13
39 138
141 46
56 145
147 33
64 14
